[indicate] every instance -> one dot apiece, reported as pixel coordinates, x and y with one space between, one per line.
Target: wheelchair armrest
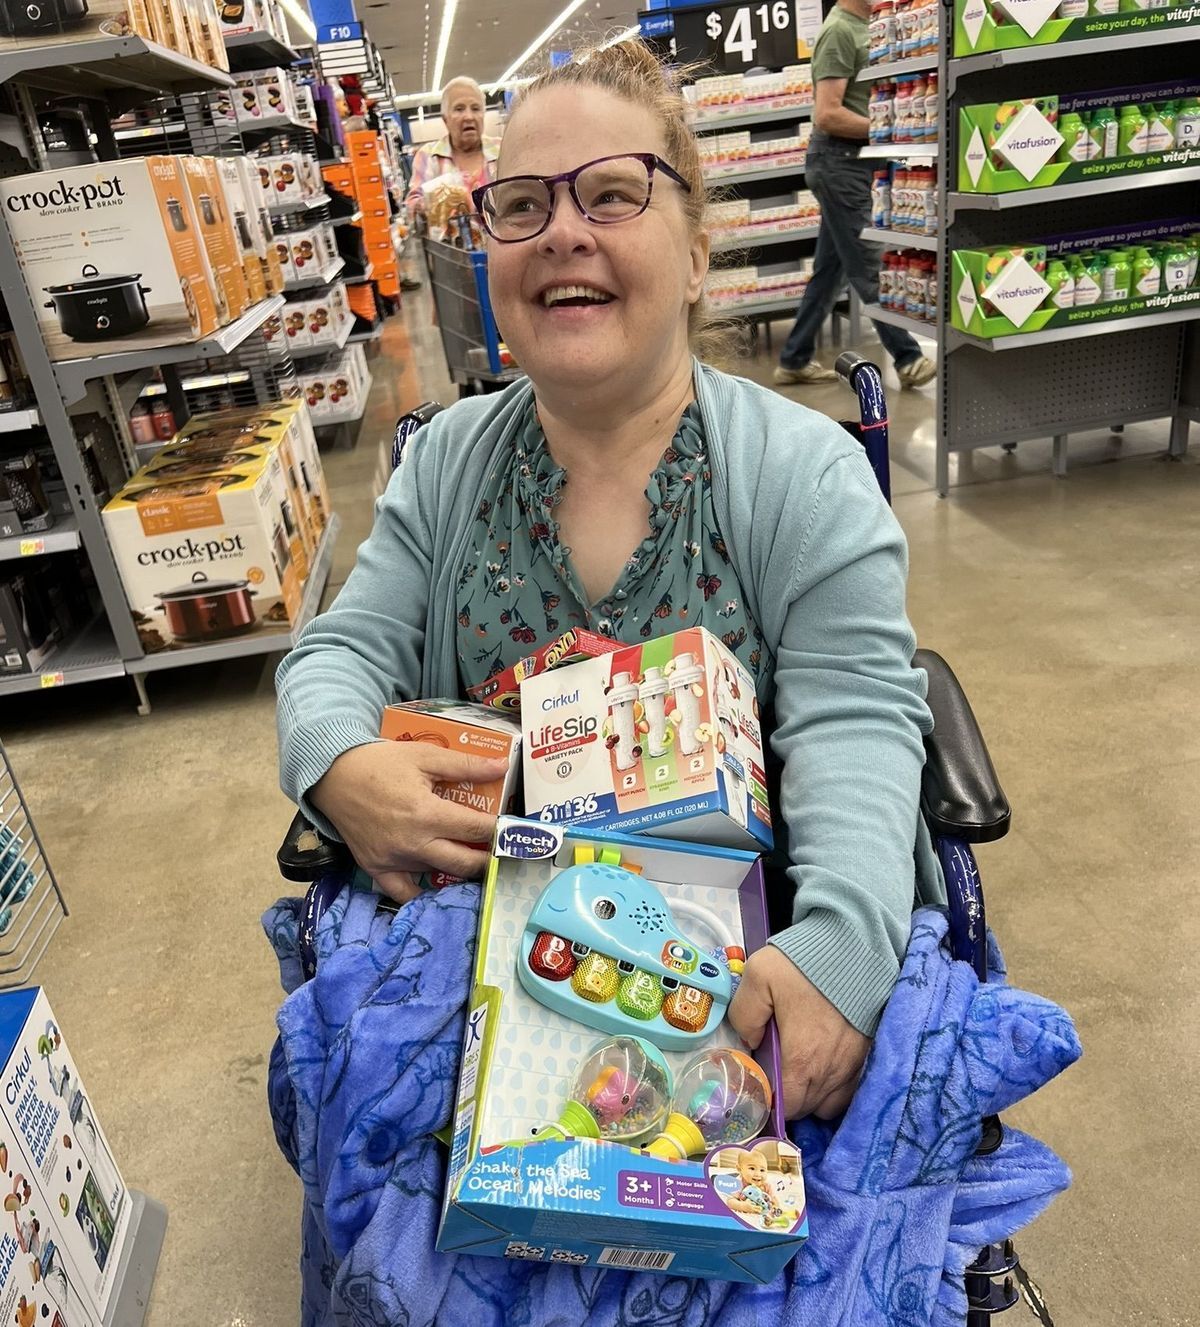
960 793
304 855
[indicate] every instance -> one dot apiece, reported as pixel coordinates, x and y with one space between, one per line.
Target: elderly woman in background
465 148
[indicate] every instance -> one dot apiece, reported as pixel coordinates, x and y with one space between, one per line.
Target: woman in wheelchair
629 488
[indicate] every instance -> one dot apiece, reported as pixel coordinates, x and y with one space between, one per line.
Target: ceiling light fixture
449 9
300 18
538 42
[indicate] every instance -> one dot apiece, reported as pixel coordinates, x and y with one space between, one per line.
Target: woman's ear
699 255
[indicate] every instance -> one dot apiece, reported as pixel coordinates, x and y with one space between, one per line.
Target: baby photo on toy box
760 1184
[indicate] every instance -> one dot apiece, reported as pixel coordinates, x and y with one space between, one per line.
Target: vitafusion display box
112 256
1034 142
539 1169
63 1193
660 738
1005 290
1003 25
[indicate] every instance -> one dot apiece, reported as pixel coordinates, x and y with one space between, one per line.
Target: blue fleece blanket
898 1203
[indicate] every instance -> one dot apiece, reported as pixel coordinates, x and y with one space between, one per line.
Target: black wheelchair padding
305 855
961 796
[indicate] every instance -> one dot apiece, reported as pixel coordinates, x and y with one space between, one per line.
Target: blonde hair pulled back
631 71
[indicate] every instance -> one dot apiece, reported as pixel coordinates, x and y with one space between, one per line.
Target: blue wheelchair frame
961 802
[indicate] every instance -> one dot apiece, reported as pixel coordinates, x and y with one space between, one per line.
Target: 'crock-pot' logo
190 551
63 194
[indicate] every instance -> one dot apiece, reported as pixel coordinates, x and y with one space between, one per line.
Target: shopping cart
961 801
458 279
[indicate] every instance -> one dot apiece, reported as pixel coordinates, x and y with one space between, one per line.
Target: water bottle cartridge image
685 675
653 692
622 697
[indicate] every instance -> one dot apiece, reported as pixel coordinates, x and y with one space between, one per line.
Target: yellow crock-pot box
208 558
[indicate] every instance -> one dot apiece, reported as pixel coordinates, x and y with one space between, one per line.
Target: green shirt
841 51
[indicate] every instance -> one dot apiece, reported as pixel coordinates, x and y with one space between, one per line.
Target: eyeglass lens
607 190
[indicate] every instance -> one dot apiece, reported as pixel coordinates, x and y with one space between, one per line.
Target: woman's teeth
576 294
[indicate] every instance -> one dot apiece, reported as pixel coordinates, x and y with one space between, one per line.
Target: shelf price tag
735 38
30 548
52 680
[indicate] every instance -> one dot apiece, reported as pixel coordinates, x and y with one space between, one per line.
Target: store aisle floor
1068 609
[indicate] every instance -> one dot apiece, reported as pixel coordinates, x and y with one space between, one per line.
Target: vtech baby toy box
660 738
607 1115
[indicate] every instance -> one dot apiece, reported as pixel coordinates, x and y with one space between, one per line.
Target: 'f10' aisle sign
733 38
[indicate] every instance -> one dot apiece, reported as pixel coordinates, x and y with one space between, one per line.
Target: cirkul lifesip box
659 738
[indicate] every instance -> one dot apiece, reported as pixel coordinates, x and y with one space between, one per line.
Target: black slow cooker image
206 610
99 306
31 18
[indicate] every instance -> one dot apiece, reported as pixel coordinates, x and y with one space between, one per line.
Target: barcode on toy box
644 1260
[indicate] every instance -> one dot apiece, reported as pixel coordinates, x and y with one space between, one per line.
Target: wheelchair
962 803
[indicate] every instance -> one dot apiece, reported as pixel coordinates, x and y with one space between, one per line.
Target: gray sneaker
918 373
810 372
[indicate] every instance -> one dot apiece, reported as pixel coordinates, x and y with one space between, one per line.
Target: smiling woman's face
647 271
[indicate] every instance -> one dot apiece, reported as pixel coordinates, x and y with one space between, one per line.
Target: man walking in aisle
841 181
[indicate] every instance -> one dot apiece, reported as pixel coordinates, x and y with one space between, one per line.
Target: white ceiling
487 36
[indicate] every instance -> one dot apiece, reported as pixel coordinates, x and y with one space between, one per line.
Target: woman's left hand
823 1054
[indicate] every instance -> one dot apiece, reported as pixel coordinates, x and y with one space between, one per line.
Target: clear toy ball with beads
722 1098
621 1093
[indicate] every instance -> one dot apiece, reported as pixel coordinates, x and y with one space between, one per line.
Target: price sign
52 680
734 38
30 548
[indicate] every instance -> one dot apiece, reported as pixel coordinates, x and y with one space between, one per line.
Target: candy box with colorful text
606 1113
503 692
64 1200
660 738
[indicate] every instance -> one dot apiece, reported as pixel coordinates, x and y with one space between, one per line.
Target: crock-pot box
214 220
58 1170
243 16
30 23
261 231
557 1195
658 738
245 223
111 255
284 425
208 558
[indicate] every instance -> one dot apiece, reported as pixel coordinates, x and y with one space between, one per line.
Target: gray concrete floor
1068 608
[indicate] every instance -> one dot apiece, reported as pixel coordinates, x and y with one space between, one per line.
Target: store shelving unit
737 178
258 50
763 238
246 352
1094 375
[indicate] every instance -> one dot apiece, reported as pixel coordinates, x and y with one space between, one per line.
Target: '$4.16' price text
747 25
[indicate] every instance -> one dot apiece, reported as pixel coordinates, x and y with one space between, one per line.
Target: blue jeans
841 181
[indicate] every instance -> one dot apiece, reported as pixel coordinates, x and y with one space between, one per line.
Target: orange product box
474 730
214 219
362 300
247 225
339 176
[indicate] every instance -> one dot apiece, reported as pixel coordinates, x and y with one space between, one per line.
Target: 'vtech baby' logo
526 840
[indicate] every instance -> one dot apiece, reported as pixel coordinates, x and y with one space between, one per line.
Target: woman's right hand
382 801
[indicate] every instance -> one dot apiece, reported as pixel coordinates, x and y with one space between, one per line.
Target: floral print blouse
517 587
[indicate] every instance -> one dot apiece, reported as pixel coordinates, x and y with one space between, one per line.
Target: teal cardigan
822 563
